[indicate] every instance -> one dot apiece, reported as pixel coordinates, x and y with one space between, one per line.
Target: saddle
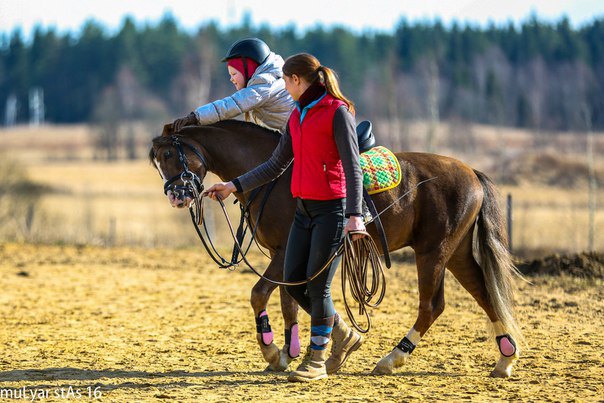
366 141
365 136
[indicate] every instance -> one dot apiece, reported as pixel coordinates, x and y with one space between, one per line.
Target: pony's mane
230 125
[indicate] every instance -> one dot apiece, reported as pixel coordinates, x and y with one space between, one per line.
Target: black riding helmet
252 48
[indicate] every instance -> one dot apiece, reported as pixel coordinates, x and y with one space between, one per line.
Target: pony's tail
495 259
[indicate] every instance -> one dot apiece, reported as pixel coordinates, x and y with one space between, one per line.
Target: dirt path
146 325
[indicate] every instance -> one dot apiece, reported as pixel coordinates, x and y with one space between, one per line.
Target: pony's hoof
381 370
497 373
283 364
276 368
396 358
272 355
284 358
384 366
271 368
504 366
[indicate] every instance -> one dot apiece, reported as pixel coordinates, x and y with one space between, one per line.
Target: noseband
192 185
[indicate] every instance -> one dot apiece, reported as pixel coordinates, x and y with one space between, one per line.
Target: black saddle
365 136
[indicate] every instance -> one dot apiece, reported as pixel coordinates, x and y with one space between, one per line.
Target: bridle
192 185
189 179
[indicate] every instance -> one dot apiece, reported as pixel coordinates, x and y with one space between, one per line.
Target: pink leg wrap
294 345
505 346
267 338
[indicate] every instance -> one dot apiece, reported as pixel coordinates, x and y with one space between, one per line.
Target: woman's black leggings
315 234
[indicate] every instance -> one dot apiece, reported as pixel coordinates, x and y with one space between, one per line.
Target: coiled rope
362 269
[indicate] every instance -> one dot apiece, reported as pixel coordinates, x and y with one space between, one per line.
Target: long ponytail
309 68
330 79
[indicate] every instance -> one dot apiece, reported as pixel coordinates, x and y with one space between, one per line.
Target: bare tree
535 82
592 186
429 90
128 91
393 114
461 136
107 116
193 86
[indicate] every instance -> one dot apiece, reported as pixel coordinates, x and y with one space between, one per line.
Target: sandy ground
148 325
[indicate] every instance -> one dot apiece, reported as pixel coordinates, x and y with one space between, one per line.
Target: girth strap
379 226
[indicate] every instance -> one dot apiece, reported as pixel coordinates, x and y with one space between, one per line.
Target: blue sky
359 15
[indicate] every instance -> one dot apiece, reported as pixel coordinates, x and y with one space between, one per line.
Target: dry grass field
121 202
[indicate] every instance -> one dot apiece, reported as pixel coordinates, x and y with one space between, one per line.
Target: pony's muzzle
180 197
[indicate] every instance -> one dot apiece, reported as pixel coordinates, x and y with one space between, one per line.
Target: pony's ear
168 130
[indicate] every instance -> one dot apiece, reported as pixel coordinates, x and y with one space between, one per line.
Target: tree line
538 75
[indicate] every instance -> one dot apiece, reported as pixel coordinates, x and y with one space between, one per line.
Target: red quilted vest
317 172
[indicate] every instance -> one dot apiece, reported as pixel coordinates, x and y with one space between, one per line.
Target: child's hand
188 120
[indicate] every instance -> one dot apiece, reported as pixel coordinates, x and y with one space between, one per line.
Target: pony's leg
289 309
469 274
261 293
431 282
508 352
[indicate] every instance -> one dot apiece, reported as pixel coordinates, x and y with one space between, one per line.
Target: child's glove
188 120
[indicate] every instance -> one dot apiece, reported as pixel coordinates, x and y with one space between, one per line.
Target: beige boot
344 341
312 367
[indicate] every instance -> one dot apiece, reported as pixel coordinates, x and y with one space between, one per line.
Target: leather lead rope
362 270
358 257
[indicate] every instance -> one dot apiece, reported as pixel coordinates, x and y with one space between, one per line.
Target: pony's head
180 164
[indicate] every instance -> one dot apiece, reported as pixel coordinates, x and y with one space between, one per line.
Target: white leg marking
396 358
503 369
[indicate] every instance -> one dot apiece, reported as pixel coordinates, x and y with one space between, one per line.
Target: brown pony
451 222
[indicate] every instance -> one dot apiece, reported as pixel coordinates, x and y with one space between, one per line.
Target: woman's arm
345 136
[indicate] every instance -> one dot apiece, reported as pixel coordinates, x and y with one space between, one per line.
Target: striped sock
320 332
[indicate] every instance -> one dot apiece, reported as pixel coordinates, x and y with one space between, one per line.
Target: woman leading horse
440 220
327 184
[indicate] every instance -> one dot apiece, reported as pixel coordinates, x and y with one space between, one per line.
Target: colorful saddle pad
381 170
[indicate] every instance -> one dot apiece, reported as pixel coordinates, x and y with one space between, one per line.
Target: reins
358 256
361 265
237 247
196 212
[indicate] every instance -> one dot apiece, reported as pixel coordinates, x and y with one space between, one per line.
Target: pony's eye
167 154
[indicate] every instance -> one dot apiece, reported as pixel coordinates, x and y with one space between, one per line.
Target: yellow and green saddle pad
381 170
